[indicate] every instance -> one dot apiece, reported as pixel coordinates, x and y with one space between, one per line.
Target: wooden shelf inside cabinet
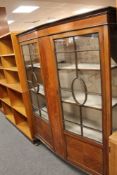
17 103
22 124
9 113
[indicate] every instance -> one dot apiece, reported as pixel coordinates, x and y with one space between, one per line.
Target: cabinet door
79 73
34 78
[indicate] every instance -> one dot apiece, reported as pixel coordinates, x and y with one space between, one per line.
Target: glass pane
66 60
29 73
92 118
92 80
35 103
34 79
66 78
92 134
34 53
71 113
78 64
30 85
88 57
92 124
34 99
38 75
87 42
64 45
26 54
42 106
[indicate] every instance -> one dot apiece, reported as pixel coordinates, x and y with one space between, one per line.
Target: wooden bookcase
13 88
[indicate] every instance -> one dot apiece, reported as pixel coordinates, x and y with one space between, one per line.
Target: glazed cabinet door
78 65
78 58
31 55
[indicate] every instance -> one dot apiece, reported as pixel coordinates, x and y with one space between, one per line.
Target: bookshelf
13 87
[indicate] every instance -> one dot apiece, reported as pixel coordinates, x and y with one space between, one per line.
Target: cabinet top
109 11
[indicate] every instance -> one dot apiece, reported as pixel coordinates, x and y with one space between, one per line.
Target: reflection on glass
78 63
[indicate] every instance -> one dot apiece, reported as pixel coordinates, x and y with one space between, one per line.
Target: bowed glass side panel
35 80
114 76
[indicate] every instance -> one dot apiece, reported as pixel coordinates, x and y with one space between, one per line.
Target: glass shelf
36 65
66 66
93 101
81 66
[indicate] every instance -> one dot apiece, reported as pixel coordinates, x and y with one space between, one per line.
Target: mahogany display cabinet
73 86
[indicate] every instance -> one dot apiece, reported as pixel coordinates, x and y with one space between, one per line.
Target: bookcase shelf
6 55
4 95
2 77
9 113
17 102
11 77
22 124
6 46
9 63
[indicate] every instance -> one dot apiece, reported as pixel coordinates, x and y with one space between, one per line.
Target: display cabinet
32 62
79 62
